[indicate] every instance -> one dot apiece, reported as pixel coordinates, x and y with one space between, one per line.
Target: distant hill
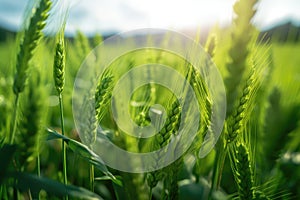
4 34
286 32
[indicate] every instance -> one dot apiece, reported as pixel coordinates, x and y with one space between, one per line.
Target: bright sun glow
156 13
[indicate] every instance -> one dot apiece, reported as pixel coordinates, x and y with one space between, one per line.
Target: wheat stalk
237 113
59 81
89 127
30 41
236 122
103 94
94 107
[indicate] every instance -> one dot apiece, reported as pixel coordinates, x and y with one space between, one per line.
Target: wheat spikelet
59 66
93 108
258 195
33 113
242 170
170 127
82 45
142 119
204 102
163 138
89 121
103 94
202 94
243 108
153 178
31 39
242 34
171 188
210 46
97 39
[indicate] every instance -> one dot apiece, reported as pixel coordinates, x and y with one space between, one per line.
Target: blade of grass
92 179
85 152
106 178
35 184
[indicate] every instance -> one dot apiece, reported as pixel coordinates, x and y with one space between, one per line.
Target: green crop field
46 154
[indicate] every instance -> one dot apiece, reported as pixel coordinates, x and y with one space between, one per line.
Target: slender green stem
38 160
38 168
221 167
12 135
92 178
64 150
38 165
14 120
29 195
150 193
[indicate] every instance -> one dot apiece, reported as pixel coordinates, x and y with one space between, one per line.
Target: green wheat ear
163 138
258 195
103 94
33 114
171 187
243 172
82 45
210 46
205 105
31 39
243 32
94 107
243 107
59 66
89 125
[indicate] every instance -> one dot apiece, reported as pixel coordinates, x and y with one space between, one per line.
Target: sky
106 16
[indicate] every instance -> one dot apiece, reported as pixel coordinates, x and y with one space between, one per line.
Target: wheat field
43 154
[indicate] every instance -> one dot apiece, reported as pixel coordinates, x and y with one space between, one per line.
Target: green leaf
85 152
35 184
105 178
6 155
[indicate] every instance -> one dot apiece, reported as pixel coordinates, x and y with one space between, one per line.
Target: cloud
272 11
118 15
11 13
